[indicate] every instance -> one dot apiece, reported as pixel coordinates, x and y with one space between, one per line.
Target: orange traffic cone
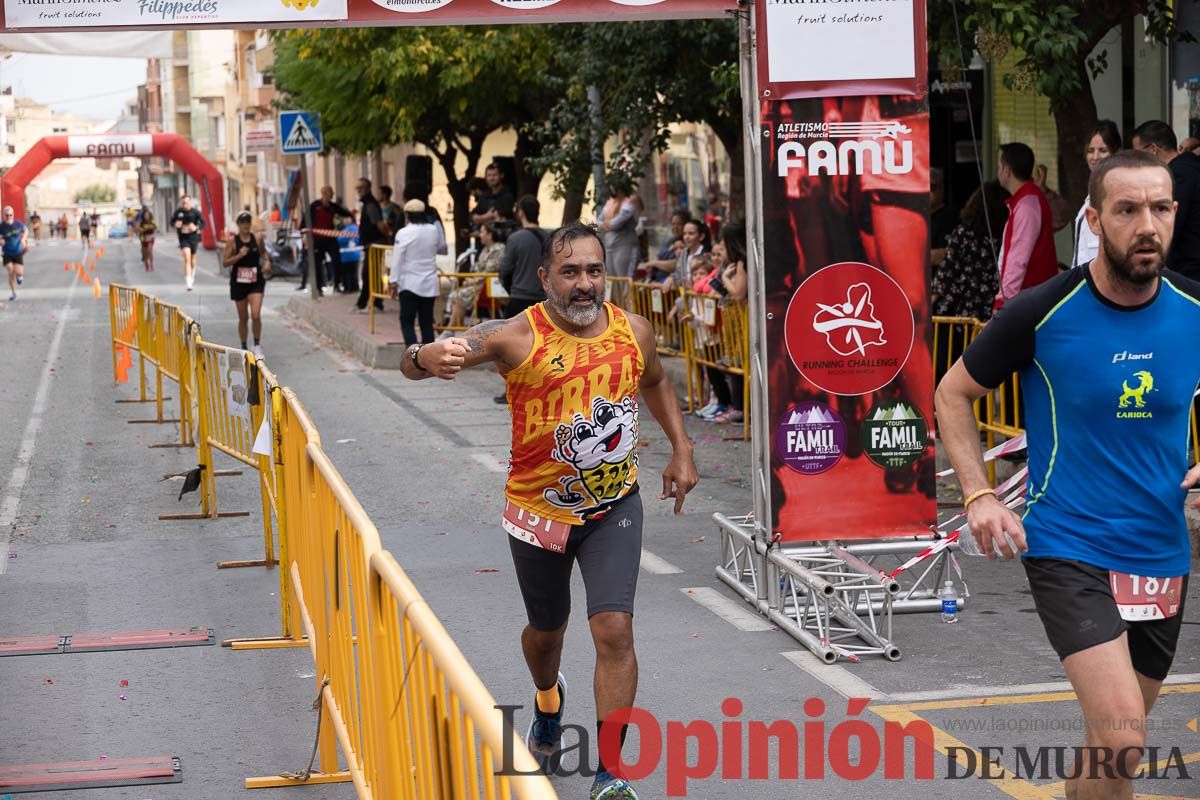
96 290
66 266
100 252
91 266
124 362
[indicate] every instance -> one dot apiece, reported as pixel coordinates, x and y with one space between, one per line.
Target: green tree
649 75
1054 41
96 194
446 88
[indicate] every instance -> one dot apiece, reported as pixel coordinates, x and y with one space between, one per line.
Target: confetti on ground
696 636
696 539
122 697
124 683
49 681
485 571
346 441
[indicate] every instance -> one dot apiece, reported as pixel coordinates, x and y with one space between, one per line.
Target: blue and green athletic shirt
1108 393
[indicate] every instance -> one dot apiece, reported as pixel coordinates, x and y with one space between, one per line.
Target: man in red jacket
1027 255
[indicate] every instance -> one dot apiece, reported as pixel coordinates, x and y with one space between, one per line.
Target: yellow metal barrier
619 292
377 275
173 347
951 335
409 714
651 302
485 295
124 314
411 717
715 336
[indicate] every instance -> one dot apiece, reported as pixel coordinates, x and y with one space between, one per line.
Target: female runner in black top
249 265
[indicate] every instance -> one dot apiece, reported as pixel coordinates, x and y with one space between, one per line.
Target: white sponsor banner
82 13
132 44
110 146
261 139
843 41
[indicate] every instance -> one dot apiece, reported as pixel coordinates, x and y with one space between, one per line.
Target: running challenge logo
849 329
878 148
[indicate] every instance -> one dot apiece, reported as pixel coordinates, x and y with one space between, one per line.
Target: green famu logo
894 434
1135 396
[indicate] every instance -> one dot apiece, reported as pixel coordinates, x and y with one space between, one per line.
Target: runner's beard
579 316
1127 270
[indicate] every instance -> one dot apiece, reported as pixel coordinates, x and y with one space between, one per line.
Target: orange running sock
549 701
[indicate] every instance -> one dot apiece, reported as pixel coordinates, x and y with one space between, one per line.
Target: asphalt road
86 553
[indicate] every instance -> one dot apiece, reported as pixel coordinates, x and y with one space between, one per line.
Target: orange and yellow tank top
575 419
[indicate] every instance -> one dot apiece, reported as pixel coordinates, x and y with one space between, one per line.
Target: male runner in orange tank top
573 367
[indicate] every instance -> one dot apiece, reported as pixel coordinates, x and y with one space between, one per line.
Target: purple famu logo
873 145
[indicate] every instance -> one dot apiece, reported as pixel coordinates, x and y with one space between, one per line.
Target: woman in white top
413 272
697 240
1104 141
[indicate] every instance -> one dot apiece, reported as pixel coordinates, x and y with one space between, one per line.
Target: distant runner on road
188 223
249 265
15 237
146 228
1108 367
574 366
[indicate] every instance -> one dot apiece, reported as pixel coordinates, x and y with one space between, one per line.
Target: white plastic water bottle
949 603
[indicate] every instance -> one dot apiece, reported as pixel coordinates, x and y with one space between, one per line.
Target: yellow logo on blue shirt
1136 396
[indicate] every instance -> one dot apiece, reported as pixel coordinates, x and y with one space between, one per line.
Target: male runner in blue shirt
15 237
1108 363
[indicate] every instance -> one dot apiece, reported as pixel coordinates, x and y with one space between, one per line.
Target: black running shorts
609 552
14 258
189 241
1076 605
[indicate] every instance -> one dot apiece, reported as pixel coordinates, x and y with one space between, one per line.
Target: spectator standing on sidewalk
497 194
617 223
372 229
733 285
1158 139
1104 141
413 269
393 214
322 215
965 284
521 262
1027 256
696 241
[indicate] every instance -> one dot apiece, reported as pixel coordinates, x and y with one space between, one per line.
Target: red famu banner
846 255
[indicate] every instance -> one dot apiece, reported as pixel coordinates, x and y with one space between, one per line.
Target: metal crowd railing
397 697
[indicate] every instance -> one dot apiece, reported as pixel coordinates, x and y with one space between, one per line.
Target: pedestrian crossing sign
300 132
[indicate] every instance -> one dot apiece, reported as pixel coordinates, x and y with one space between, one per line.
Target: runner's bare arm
503 342
232 256
680 476
987 517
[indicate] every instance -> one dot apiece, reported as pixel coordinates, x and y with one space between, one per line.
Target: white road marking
732 611
840 679
960 692
20 472
491 462
658 566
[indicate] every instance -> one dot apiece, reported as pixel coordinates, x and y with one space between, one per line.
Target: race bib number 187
1140 599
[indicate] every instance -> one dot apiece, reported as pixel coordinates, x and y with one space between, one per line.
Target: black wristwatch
412 355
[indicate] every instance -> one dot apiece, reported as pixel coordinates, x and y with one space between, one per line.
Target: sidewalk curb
372 353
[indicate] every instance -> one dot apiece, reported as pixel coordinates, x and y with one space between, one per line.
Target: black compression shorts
609 551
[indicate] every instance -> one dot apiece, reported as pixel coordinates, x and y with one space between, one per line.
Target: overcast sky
95 88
